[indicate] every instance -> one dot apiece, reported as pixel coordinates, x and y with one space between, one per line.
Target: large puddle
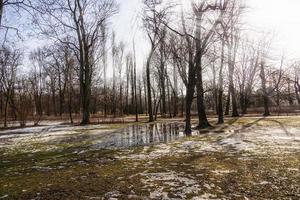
142 135
94 136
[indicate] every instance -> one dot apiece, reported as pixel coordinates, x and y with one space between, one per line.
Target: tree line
201 61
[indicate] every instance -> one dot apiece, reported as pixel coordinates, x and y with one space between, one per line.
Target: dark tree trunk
86 103
264 90
232 58
86 90
243 103
162 77
1 11
141 107
150 110
146 97
48 103
182 104
215 89
235 112
5 112
266 106
61 94
190 90
156 108
135 96
227 104
105 98
121 101
169 98
220 90
297 90
203 121
175 93
246 105
175 104
220 107
290 98
163 95
189 101
61 103
54 100
70 106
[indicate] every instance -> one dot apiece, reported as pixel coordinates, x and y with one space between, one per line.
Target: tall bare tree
154 17
81 22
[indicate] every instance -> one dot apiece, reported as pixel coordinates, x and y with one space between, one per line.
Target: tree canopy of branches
77 24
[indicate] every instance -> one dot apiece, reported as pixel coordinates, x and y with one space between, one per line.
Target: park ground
246 158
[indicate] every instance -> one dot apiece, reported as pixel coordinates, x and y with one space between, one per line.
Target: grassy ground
246 158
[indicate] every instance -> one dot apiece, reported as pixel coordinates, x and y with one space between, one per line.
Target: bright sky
281 18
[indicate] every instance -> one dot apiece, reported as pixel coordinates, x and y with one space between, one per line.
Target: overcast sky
281 18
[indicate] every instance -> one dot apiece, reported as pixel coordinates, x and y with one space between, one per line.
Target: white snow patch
179 183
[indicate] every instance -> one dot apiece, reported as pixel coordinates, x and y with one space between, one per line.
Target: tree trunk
203 121
5 112
70 107
121 100
175 93
1 11
156 108
232 57
163 90
141 107
220 107
146 97
150 111
190 90
86 91
182 103
243 103
135 95
70 98
169 98
264 90
235 112
215 90
86 103
266 106
297 89
61 103
227 104
290 98
220 91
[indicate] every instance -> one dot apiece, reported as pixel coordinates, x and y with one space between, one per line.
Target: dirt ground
246 158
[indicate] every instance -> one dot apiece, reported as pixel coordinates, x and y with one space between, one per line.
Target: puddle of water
95 137
144 135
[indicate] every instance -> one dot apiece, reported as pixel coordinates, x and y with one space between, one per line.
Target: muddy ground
246 158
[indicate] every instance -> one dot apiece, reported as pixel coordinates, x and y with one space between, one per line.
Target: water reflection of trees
137 135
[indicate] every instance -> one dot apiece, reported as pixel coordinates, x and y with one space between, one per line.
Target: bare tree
246 74
203 41
37 81
24 100
135 84
267 91
83 33
154 16
9 62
